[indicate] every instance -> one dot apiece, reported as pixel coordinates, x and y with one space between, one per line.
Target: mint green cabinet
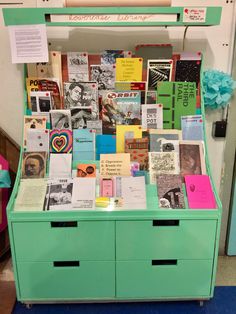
76 240
164 279
153 239
40 281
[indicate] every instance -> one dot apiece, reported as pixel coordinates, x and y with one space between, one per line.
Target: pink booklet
199 192
3 197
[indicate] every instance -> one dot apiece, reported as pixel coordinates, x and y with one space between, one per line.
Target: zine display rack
100 255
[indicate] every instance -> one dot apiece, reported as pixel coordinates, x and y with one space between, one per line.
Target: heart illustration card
61 141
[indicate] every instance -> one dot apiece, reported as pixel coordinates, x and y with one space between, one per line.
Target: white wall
215 43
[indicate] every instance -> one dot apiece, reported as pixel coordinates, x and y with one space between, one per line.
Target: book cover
61 141
132 86
138 150
192 128
162 163
81 95
59 194
83 144
133 192
104 75
199 192
178 99
188 71
157 136
120 108
60 119
106 187
77 65
34 165
191 155
124 132
152 116
105 144
83 193
110 56
44 85
169 191
129 69
158 70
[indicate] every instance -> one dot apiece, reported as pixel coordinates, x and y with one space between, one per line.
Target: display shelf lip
30 16
114 215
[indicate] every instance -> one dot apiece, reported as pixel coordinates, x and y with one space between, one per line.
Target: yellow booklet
129 69
126 131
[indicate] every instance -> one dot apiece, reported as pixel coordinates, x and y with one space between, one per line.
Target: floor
226 276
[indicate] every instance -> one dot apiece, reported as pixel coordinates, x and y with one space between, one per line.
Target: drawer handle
162 262
66 264
64 224
168 222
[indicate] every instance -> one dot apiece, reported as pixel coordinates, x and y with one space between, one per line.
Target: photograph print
80 117
60 119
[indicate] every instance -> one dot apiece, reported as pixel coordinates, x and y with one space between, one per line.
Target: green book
178 99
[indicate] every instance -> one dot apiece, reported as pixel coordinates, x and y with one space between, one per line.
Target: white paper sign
194 15
28 43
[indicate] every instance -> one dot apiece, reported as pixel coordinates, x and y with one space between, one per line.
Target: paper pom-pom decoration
218 88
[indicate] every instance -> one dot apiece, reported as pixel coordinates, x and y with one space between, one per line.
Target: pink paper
199 192
4 166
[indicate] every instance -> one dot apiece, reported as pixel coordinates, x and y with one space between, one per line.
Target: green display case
115 255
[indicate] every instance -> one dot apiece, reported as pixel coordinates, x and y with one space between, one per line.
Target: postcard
77 64
60 119
114 165
129 69
169 191
61 141
58 194
152 116
110 56
34 165
37 140
31 195
162 163
86 170
83 194
60 166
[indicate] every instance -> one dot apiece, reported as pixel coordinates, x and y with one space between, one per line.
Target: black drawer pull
64 224
160 262
168 222
66 264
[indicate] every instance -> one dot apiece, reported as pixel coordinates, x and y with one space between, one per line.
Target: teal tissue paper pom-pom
218 88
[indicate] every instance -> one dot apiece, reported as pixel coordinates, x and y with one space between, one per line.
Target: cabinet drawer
49 241
141 279
178 239
47 281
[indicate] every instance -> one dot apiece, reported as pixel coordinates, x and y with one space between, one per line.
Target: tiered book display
114 198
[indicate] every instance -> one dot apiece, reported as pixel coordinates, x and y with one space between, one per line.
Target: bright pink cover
199 192
4 166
